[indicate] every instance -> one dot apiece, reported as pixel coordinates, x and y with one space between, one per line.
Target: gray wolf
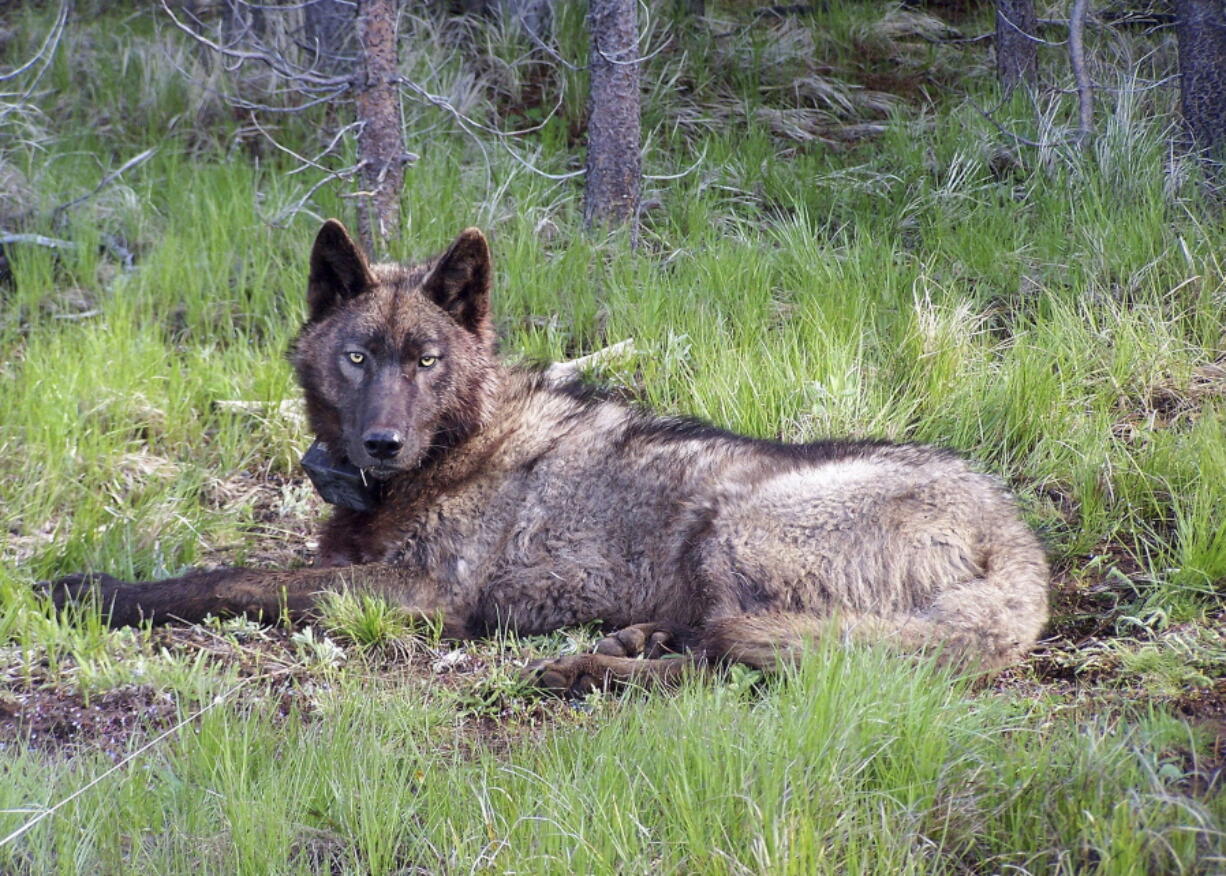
509 499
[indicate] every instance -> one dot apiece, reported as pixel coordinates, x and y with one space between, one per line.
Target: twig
37 240
764 12
1164 82
278 63
1018 138
951 41
48 47
686 172
466 122
1029 36
1077 59
106 180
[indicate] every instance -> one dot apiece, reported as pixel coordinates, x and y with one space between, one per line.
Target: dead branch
1029 36
109 242
560 372
304 77
46 50
36 240
59 211
291 409
1017 138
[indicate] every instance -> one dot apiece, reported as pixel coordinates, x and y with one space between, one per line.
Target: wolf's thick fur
510 499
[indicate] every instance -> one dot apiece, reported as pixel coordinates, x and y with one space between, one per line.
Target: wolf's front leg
257 593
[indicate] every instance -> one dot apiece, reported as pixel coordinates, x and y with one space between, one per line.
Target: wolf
501 497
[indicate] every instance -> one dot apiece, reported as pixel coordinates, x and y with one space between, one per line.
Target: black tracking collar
340 483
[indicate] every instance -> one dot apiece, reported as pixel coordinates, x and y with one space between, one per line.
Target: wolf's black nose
382 443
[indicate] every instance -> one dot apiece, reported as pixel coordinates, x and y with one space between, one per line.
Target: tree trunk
614 165
326 25
1200 28
1017 54
381 140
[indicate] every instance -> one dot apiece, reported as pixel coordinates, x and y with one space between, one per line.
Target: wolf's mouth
343 483
380 472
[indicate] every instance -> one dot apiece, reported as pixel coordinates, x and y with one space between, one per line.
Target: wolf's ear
460 280
338 270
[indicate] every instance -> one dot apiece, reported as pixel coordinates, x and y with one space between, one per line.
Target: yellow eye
356 358
427 361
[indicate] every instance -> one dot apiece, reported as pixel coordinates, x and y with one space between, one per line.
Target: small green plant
370 621
317 650
503 690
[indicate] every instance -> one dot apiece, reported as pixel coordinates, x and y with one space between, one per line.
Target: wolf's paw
579 674
570 677
652 641
80 588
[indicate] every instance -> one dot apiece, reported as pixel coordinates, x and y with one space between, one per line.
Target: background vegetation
860 248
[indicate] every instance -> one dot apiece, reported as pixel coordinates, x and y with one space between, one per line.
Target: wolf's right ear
460 281
338 270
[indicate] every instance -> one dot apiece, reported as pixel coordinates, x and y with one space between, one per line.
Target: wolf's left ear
338 270
460 280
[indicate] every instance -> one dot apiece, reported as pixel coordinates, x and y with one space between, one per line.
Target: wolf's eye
355 357
427 361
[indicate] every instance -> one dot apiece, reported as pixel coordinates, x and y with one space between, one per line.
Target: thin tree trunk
381 140
614 166
1200 28
1077 60
1017 54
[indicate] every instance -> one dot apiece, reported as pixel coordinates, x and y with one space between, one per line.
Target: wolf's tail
985 623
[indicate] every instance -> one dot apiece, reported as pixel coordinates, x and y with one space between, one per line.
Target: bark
381 139
1200 28
326 25
1077 59
614 165
1017 54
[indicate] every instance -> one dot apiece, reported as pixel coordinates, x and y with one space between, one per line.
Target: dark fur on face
395 360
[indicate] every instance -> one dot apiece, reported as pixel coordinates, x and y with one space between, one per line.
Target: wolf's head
396 361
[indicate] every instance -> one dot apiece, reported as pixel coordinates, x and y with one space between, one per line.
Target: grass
847 764
1056 315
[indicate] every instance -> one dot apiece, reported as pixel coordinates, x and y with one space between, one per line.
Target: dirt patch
57 719
1203 773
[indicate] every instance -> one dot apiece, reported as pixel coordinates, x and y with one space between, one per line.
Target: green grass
1057 316
853 763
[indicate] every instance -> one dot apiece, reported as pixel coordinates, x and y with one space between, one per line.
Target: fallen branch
36 240
559 372
291 409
